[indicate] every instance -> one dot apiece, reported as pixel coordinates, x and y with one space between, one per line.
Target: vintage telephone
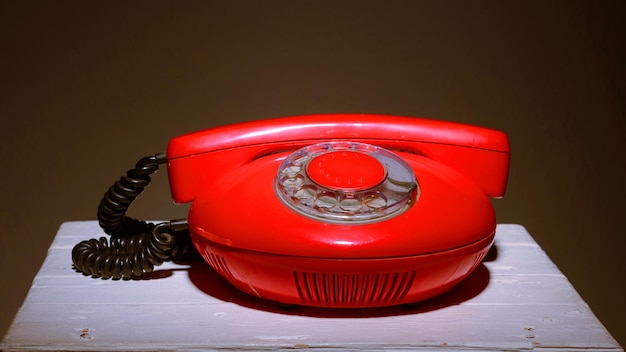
334 210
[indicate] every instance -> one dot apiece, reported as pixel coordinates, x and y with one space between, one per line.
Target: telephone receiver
331 210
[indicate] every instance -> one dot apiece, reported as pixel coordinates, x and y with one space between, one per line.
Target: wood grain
516 300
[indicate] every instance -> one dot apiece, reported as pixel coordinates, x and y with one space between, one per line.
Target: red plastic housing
266 249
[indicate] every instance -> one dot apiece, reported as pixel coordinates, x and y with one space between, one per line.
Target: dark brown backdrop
89 87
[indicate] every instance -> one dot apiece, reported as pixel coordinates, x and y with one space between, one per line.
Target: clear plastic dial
346 182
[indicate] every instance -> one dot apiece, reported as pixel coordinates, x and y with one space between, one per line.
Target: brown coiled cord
135 247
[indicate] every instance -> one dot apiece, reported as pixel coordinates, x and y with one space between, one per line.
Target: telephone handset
334 210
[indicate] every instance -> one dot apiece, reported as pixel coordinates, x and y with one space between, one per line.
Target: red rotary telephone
337 210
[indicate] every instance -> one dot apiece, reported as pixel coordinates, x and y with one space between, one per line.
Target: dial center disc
346 171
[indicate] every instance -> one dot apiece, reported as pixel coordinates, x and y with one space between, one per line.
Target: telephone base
344 283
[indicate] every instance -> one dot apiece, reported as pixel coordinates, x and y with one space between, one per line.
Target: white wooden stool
516 300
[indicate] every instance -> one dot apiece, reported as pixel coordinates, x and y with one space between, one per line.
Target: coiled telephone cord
135 246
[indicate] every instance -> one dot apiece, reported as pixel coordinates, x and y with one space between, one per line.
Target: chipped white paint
282 338
516 300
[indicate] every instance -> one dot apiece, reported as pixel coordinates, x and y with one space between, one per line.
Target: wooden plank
481 287
226 325
516 300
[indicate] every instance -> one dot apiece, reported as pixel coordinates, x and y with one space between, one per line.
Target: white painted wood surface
516 300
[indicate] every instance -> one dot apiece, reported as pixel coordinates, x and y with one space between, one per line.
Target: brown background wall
90 87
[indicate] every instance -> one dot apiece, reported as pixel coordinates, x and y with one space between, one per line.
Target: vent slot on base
352 289
218 264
